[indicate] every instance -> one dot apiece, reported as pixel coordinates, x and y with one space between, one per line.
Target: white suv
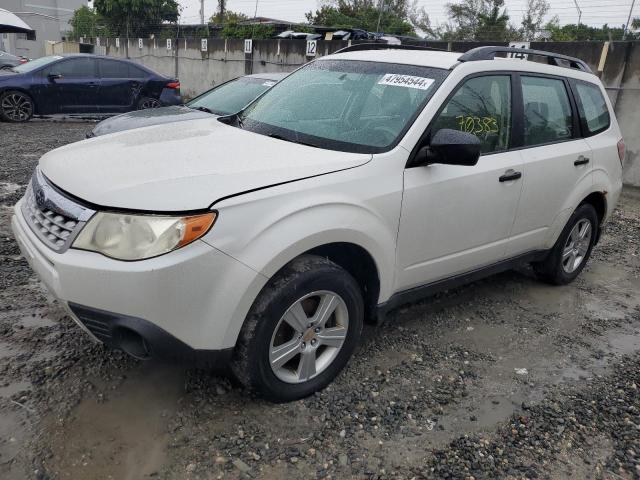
366 179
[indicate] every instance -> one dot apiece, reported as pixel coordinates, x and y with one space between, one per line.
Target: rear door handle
510 175
582 160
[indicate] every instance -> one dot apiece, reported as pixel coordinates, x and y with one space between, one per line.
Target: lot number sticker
168 44
117 42
409 81
312 47
248 45
203 45
140 43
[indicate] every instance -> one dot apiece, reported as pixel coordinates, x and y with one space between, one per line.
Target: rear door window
594 113
114 69
547 111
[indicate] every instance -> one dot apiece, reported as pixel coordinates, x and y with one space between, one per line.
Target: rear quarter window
592 107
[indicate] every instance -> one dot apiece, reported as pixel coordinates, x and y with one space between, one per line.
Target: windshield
37 63
345 105
233 96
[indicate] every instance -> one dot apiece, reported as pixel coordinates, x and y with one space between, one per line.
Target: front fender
275 226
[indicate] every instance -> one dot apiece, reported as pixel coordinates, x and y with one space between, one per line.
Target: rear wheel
572 249
148 102
15 106
301 331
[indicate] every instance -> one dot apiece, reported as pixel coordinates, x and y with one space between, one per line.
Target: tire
296 293
16 106
147 102
572 249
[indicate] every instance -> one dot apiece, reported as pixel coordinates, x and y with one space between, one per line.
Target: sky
594 12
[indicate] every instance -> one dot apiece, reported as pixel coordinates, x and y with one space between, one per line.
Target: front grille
53 227
53 217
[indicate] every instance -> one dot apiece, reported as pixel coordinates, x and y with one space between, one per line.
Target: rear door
120 86
556 160
73 85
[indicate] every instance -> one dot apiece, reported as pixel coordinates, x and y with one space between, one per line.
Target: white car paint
419 225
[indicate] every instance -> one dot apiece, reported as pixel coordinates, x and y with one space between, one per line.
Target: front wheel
15 106
572 249
301 330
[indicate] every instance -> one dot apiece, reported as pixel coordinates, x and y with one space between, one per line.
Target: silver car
227 98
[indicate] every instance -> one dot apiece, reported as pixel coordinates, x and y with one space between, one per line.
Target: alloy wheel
309 336
576 246
149 103
17 107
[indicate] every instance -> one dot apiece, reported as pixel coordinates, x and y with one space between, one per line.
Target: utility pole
626 27
222 7
380 8
202 12
579 12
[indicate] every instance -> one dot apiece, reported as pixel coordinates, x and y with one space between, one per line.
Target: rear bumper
170 96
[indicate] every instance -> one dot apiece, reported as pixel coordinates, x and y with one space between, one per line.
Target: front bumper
197 294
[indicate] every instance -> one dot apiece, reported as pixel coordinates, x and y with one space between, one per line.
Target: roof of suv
424 58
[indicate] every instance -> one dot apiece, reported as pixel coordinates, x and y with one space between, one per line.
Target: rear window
594 113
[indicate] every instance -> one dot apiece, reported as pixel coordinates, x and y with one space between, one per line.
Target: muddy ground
504 378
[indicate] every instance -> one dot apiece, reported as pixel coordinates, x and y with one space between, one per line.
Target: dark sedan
82 83
226 98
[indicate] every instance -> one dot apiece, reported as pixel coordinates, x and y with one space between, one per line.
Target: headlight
136 237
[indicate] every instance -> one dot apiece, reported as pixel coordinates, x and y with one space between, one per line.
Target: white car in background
364 180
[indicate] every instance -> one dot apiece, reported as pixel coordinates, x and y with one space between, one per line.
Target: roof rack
356 47
489 53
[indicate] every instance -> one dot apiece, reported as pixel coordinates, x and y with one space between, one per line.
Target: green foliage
481 20
364 14
258 32
229 17
574 32
85 22
136 17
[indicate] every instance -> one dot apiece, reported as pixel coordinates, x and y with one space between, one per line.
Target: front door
72 85
458 218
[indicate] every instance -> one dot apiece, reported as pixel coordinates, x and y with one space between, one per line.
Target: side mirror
54 76
450 147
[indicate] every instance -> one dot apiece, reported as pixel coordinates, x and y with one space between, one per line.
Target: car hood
169 168
146 118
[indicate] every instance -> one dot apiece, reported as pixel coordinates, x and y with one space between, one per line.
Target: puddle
7 391
35 321
125 436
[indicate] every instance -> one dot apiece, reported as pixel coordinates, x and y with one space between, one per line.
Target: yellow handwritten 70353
477 125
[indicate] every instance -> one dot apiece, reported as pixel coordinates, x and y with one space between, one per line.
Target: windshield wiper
280 137
204 109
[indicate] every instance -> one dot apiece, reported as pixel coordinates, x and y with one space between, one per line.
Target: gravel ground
504 378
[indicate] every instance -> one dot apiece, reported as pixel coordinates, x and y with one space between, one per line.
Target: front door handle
582 160
510 175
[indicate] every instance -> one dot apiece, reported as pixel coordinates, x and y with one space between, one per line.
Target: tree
85 22
494 24
582 32
482 20
393 18
532 21
136 17
229 17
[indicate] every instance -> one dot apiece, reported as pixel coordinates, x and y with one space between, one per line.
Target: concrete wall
225 59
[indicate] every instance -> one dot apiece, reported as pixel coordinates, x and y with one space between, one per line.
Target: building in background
48 18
